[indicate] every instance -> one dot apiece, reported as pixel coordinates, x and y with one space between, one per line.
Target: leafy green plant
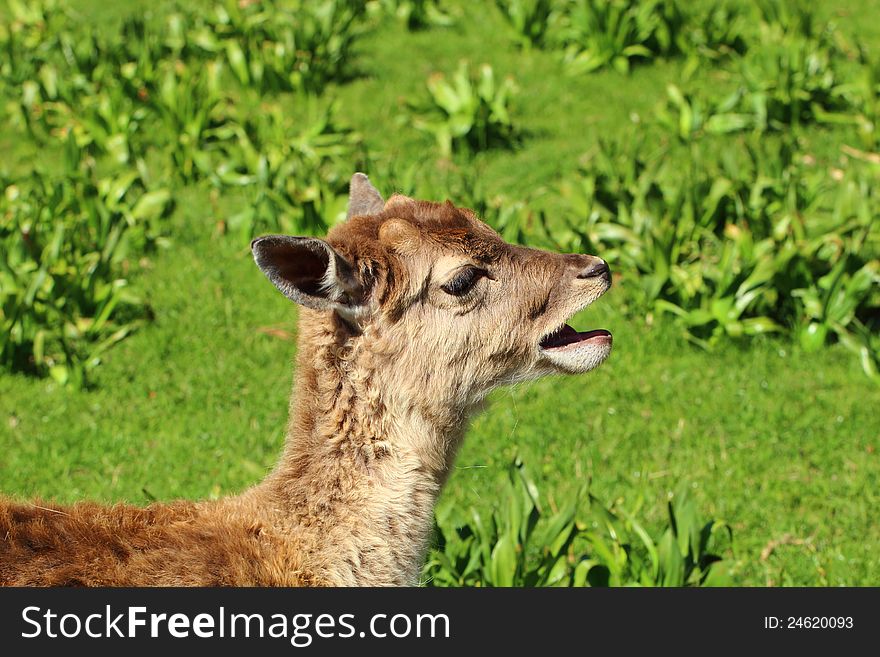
153 97
619 207
599 33
415 14
30 38
724 289
865 343
594 34
788 16
834 277
791 79
831 303
193 112
294 174
467 112
689 116
717 30
733 243
64 245
862 90
523 544
282 48
51 69
793 76
530 19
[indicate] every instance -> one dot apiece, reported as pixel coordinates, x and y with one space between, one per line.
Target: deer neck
365 458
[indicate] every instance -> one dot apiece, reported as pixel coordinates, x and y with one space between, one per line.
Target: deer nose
594 269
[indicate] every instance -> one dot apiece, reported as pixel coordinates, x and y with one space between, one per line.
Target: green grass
783 445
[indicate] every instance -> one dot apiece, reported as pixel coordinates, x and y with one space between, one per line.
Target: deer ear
397 200
363 198
308 271
400 235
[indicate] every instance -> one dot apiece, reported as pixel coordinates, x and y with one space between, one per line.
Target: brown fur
383 389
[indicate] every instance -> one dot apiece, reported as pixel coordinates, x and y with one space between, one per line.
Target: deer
410 313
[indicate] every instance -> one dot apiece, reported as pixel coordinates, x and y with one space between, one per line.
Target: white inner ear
335 285
331 284
354 315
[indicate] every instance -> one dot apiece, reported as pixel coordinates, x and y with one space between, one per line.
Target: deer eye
463 282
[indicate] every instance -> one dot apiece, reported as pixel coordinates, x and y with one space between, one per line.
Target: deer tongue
567 335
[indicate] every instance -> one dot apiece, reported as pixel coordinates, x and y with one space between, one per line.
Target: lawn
779 442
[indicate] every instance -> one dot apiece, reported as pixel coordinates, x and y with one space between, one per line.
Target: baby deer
411 312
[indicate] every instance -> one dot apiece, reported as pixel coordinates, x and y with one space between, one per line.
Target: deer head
438 298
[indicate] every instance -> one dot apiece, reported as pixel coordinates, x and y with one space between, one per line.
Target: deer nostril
599 268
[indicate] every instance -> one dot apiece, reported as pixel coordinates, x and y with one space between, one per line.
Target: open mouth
575 352
566 338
